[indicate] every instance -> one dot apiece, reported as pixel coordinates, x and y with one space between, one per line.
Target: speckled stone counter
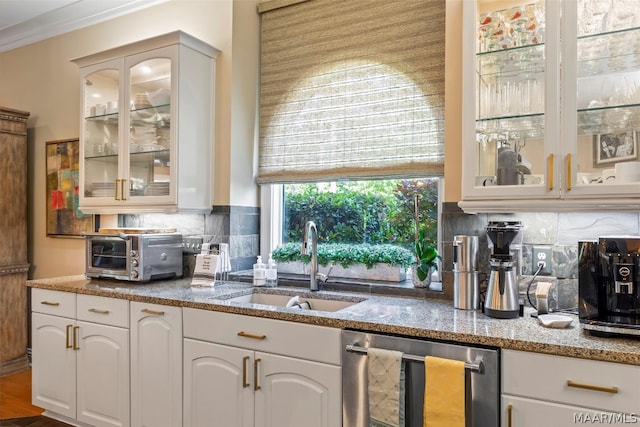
425 318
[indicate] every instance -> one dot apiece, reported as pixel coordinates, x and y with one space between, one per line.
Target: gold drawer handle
254 336
612 390
75 338
54 304
510 415
157 313
68 336
245 368
98 311
569 172
550 172
256 384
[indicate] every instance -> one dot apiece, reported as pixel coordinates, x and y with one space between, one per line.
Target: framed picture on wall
614 147
64 219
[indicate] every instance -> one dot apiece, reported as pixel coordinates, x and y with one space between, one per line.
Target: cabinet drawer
107 311
299 340
535 413
53 302
546 377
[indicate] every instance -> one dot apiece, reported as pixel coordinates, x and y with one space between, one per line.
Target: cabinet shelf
610 52
528 125
519 61
610 119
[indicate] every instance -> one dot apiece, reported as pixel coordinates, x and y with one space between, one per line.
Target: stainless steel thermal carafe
466 292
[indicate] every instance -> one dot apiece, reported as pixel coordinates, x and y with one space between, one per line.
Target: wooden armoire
14 265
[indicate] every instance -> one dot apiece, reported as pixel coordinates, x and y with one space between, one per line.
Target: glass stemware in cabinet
510 68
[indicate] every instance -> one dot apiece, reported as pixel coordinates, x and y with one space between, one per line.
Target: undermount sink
280 300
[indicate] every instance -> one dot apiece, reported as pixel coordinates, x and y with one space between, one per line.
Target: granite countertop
424 318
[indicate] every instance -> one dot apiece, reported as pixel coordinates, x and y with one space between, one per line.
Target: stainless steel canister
466 289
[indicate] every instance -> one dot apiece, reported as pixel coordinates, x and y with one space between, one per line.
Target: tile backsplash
559 231
239 226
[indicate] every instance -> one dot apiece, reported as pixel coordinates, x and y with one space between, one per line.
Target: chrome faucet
311 232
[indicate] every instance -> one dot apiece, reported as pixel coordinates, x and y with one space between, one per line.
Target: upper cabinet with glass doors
147 127
554 124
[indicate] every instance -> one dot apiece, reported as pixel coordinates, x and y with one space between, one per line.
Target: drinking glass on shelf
592 16
621 15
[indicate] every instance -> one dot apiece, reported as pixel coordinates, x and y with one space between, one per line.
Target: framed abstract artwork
64 219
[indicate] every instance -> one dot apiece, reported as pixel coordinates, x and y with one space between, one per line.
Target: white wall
39 78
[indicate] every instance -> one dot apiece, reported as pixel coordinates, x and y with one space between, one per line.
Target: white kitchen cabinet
156 365
53 364
81 357
534 135
260 372
541 389
146 139
217 385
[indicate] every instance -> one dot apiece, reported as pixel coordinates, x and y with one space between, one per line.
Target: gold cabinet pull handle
612 390
551 172
115 189
68 337
122 188
256 384
245 368
510 415
254 336
569 184
98 311
154 312
75 338
54 304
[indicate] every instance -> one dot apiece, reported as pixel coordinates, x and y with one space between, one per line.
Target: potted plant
348 260
426 254
426 262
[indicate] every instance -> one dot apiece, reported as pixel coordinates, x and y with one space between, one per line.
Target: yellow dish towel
385 376
443 393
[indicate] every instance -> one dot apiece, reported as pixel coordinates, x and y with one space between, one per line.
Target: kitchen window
349 91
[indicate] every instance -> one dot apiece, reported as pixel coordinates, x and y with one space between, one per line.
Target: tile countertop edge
603 349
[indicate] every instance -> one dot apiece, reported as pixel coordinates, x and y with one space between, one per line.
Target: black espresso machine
609 285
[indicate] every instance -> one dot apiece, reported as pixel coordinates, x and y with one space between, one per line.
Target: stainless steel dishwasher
482 379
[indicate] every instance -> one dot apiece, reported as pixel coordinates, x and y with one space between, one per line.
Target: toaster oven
134 257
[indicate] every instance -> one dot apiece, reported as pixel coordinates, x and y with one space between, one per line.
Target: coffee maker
608 285
501 300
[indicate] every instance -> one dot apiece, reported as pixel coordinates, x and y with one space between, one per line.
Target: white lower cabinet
236 373
558 391
156 365
81 367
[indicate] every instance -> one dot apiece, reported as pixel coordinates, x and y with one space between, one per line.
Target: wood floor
16 409
15 396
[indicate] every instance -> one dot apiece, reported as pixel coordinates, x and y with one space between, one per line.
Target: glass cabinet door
510 102
605 67
511 63
149 145
101 142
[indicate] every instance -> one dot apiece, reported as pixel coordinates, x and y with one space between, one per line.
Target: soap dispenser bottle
272 272
259 273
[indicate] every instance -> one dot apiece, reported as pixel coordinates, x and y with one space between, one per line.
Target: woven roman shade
351 89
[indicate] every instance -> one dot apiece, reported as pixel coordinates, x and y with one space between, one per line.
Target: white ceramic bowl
627 172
